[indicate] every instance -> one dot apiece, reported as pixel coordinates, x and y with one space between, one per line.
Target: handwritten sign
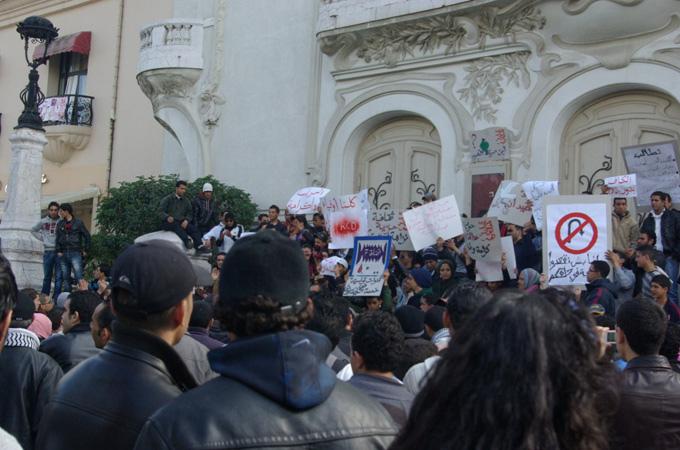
350 201
510 204
622 186
510 260
489 271
347 224
306 200
577 233
433 220
482 239
656 168
536 191
390 222
490 144
370 259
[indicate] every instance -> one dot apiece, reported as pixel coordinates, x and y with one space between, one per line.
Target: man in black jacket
296 401
666 225
72 243
75 345
599 290
28 378
176 213
103 403
648 414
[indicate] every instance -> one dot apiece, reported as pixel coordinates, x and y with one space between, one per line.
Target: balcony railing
67 110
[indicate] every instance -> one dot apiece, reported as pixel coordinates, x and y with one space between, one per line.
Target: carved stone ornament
64 140
443 34
574 7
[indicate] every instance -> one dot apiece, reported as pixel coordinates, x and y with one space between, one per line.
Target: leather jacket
28 380
670 232
648 417
103 403
70 348
275 390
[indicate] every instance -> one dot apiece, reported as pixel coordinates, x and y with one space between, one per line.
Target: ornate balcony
68 121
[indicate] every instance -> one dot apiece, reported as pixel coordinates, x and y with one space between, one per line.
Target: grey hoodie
47 227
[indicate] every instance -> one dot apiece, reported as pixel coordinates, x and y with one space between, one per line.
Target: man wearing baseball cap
275 389
104 401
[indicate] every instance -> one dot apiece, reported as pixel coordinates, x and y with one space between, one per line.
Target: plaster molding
210 98
575 7
618 53
64 140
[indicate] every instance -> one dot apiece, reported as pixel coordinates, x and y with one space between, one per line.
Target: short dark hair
651 234
201 315
30 292
644 324
671 343
106 317
180 183
330 317
660 194
662 280
601 267
8 287
84 303
318 215
379 339
278 210
616 199
54 315
260 216
647 250
51 204
221 254
105 269
464 302
67 207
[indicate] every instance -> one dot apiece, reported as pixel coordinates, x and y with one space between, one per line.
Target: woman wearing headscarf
445 281
529 280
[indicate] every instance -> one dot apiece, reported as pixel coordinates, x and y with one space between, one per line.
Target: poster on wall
370 259
656 169
384 222
511 204
490 144
438 219
576 233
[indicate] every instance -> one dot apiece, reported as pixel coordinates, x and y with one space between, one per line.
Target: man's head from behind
100 327
8 297
331 317
264 286
201 315
24 309
152 289
640 328
464 302
78 309
378 343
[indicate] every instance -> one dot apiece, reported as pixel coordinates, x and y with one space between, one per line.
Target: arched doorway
399 162
593 138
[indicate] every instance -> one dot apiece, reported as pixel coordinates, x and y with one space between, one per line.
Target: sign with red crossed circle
572 225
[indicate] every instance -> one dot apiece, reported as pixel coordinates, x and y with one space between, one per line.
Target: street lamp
39 31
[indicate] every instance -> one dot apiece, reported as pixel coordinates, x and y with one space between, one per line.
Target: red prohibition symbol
583 221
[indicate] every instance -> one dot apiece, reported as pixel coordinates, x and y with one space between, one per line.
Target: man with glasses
47 229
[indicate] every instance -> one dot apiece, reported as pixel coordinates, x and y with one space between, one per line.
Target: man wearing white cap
205 213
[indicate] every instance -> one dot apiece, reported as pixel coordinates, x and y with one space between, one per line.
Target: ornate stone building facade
387 94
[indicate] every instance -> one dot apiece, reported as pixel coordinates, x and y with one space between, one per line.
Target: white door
399 163
592 141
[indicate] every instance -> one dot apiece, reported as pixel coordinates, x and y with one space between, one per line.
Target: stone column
22 208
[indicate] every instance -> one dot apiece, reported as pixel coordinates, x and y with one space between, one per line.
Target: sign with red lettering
347 224
306 200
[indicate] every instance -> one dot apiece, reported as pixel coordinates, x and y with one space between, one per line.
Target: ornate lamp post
22 205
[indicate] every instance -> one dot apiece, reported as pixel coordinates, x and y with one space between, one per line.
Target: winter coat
179 208
601 292
70 348
72 236
670 232
625 231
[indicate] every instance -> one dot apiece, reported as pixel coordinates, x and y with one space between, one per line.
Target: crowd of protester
271 354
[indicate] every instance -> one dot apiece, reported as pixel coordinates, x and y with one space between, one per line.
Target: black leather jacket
648 417
104 402
275 392
70 348
670 232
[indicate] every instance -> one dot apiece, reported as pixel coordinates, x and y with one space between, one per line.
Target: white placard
577 233
656 168
390 222
306 200
622 186
536 191
510 261
510 204
438 219
482 238
489 270
347 224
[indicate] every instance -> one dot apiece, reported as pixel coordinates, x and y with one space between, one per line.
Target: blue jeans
672 272
71 260
51 264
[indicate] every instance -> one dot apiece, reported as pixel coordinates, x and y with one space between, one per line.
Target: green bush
131 210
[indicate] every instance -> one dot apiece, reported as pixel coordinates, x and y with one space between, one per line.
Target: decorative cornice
444 34
574 7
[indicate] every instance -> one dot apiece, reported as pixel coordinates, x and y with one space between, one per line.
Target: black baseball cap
24 308
156 274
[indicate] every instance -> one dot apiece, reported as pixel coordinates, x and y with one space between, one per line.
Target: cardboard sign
510 260
438 219
536 191
347 224
306 200
370 260
622 186
383 222
490 144
510 204
482 239
656 168
577 233
489 271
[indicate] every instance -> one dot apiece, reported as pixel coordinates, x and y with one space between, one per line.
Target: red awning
77 43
